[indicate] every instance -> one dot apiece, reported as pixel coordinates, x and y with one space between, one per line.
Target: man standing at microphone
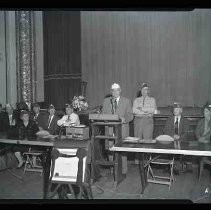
121 106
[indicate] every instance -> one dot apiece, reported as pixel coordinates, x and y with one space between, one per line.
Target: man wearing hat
70 118
176 125
203 128
51 121
143 109
38 117
121 106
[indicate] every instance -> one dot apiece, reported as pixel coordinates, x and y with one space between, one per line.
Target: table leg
118 176
46 171
142 173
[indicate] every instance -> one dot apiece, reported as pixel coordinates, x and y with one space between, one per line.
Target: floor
185 187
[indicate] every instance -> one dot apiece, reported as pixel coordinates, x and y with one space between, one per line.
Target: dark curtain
62 56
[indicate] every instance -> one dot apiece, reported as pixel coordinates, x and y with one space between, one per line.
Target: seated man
177 127
51 121
203 128
38 117
70 118
10 123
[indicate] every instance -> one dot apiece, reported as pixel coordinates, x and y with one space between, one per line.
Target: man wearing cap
203 128
38 117
143 109
121 106
51 121
176 125
70 118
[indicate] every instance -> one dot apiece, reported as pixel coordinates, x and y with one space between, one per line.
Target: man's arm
129 113
184 134
152 108
137 109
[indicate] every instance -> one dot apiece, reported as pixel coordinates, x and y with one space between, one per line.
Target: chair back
68 165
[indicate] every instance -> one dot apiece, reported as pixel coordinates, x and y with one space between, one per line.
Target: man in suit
38 117
176 125
10 122
2 117
121 106
51 121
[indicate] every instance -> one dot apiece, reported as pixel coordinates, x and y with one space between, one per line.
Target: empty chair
161 160
33 161
68 170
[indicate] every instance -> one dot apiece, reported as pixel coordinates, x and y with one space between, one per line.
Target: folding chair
162 161
203 161
166 180
30 165
68 169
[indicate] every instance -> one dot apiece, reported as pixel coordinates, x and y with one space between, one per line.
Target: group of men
142 111
49 121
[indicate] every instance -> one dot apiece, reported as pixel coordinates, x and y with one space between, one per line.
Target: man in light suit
121 106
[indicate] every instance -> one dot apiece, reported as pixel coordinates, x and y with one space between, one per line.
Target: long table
48 144
193 148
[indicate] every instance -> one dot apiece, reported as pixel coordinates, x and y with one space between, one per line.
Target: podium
106 121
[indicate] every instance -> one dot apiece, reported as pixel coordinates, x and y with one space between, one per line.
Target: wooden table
192 148
48 144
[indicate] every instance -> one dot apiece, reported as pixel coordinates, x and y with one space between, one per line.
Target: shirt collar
117 99
175 117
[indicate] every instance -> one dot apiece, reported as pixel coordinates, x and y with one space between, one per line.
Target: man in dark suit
51 121
38 117
177 127
10 122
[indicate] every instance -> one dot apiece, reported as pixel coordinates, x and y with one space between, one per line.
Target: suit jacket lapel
119 104
181 125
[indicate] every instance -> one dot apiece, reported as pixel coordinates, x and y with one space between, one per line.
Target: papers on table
130 139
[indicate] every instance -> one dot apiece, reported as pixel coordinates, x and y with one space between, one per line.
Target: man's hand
176 137
122 120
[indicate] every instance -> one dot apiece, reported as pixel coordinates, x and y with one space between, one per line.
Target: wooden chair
30 165
203 162
158 160
161 160
69 169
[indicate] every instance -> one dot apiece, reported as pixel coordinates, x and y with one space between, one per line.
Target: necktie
176 127
68 118
115 105
144 101
49 121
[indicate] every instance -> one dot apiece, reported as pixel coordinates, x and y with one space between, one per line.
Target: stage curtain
62 56
171 51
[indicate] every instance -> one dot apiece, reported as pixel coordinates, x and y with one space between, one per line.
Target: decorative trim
25 55
62 76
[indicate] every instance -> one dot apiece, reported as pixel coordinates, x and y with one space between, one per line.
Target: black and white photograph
105 105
